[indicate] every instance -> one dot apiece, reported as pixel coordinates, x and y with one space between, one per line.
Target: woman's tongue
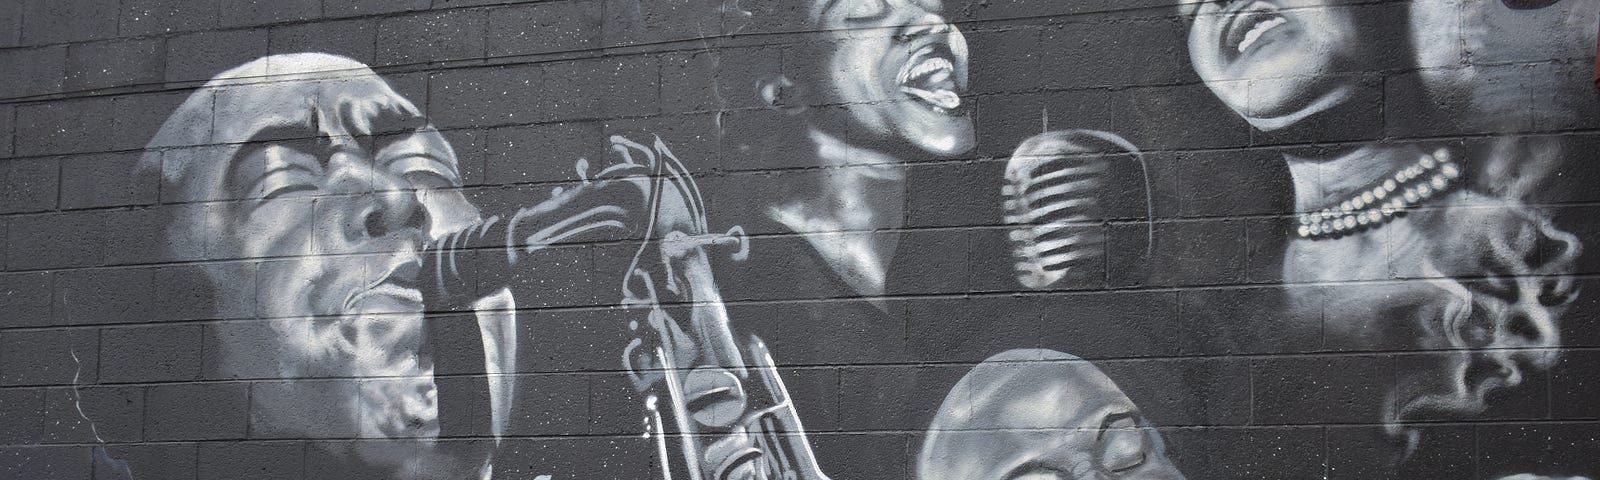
936 88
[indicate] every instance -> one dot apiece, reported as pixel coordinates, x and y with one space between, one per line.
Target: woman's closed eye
864 10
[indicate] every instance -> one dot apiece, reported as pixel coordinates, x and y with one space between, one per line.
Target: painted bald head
1040 415
325 184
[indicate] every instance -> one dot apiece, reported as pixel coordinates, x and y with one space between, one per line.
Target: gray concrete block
355 39
431 37
252 13
32 185
158 17
196 411
8 129
22 411
66 126
55 241
88 415
25 297
353 8
1311 390
144 354
544 27
35 71
198 56
59 21
61 357
106 180
483 97
251 460
10 24
105 295
116 63
46 462
156 460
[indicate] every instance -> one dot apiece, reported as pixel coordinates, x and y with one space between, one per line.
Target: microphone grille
1053 202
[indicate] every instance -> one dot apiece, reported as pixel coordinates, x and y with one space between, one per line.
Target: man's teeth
1258 30
944 99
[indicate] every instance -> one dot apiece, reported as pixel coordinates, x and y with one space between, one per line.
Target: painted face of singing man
331 183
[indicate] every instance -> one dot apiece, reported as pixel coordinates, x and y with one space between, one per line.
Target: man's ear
779 93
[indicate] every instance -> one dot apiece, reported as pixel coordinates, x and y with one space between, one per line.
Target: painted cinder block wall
896 239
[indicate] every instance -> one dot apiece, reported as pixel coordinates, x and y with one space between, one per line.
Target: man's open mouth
931 78
1249 26
395 292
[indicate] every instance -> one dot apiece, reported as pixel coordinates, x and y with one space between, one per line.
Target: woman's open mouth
931 77
1250 26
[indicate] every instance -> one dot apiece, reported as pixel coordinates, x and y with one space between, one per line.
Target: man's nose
387 208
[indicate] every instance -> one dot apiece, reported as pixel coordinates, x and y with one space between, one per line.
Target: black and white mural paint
1431 244
737 325
314 160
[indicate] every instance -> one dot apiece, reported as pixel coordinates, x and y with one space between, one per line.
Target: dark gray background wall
135 343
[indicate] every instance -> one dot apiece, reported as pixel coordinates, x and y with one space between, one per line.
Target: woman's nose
923 23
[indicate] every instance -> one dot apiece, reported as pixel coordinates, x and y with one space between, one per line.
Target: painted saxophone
716 407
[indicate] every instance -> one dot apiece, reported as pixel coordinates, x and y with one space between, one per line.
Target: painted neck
1323 181
861 193
861 189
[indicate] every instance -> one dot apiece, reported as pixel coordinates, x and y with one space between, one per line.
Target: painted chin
1263 63
402 407
931 111
402 400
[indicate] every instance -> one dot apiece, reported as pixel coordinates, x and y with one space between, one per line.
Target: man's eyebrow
392 119
826 7
276 134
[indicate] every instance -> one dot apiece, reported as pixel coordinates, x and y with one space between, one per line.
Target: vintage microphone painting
1062 187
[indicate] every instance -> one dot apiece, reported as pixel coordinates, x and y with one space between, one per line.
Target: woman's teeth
1258 30
928 68
931 81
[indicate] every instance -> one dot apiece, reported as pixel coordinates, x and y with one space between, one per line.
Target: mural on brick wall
407 324
1484 276
315 160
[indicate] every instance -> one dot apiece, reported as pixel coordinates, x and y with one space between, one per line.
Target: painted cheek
278 228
